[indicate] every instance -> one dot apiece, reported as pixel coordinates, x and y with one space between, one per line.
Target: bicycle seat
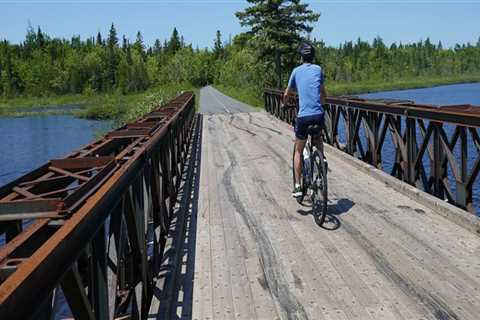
314 128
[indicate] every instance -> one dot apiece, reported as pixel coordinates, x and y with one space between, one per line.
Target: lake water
452 94
27 143
442 95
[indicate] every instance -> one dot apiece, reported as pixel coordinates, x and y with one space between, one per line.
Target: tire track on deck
274 275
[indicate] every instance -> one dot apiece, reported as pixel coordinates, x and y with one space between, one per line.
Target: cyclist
308 81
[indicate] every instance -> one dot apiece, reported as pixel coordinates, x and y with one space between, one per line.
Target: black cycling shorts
302 123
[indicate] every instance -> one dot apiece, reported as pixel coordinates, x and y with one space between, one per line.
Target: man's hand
286 95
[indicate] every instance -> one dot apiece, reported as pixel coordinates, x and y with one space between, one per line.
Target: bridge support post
436 164
463 197
411 142
75 295
100 282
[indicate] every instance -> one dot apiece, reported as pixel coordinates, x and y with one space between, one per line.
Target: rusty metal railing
94 223
435 148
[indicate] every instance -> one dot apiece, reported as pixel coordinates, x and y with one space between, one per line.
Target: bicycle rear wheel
320 188
302 184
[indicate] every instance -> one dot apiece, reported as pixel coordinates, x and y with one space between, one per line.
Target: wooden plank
279 274
237 253
221 281
202 288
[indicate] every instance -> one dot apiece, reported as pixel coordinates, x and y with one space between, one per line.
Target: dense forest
43 65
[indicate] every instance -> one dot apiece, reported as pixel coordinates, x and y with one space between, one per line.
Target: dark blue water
26 143
442 95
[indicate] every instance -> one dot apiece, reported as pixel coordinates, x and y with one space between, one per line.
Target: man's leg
299 146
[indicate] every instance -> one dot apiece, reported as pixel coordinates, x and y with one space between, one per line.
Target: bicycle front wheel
320 188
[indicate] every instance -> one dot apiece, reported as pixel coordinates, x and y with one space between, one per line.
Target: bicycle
314 182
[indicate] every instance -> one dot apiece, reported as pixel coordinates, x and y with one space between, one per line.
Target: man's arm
288 92
323 94
292 85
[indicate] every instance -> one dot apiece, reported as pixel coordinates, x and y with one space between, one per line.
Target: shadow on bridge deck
173 295
332 223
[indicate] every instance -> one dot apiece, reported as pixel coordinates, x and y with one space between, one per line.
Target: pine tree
112 40
124 43
40 38
278 27
218 46
129 56
99 39
174 44
157 47
30 39
112 59
139 46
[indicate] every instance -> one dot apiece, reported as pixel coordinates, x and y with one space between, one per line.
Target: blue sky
197 20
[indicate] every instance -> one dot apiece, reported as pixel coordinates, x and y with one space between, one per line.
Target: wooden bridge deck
259 255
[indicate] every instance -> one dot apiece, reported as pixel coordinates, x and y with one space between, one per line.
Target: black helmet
307 51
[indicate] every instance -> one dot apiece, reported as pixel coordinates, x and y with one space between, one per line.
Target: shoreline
248 95
105 106
114 106
399 85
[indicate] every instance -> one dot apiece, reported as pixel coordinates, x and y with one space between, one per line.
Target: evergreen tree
40 38
99 39
157 47
112 61
112 40
129 56
174 44
278 26
124 43
218 46
139 46
30 40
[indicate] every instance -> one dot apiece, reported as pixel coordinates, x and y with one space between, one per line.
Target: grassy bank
247 95
254 98
113 106
27 102
336 89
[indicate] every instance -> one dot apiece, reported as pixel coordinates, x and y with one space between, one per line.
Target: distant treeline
362 61
42 65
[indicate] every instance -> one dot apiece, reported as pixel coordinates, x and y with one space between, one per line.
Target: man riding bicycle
308 81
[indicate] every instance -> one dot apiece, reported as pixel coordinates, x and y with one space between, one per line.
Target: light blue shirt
307 79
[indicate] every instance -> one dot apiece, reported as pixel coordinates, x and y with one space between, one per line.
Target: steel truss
94 223
436 148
